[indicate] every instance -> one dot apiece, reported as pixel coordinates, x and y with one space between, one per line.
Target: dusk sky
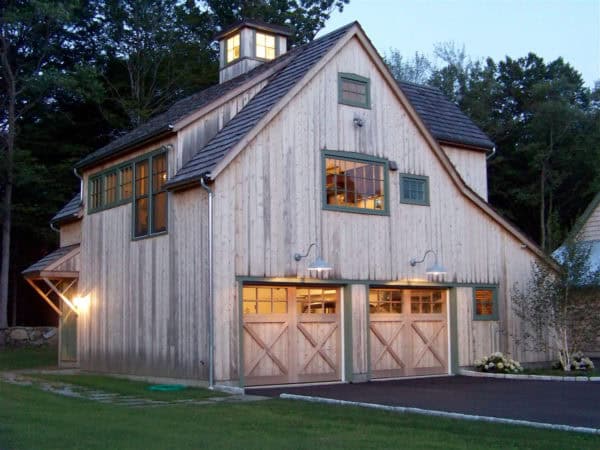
496 28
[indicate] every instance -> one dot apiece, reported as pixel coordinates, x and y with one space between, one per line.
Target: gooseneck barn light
435 269
319 264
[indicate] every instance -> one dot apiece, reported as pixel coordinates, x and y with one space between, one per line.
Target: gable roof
581 221
69 212
444 120
163 123
302 60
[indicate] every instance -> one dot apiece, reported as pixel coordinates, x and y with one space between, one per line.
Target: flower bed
498 363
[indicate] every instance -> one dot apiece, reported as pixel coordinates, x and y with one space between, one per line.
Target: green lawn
128 387
31 418
26 358
562 373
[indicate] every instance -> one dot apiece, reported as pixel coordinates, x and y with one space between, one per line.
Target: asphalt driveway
563 403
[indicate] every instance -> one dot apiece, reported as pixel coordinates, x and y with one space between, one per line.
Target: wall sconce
434 269
81 302
318 265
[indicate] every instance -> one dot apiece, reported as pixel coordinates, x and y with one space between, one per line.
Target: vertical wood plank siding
472 167
591 230
70 233
268 206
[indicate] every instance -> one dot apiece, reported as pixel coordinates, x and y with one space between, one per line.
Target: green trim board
453 306
414 189
357 158
357 81
150 195
493 301
347 323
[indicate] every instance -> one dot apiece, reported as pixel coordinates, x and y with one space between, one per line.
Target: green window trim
101 178
149 195
356 80
494 303
419 180
354 157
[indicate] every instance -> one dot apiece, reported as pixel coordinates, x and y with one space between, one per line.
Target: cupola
248 44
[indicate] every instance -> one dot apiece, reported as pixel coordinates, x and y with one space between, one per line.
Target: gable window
354 182
233 48
265 46
414 189
354 90
485 304
150 196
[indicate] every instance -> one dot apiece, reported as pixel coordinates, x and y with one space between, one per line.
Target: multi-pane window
414 189
110 188
95 193
264 300
232 48
426 302
385 301
265 46
485 304
126 182
354 90
316 301
355 183
150 199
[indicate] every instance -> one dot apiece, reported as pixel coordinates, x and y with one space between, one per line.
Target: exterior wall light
319 264
435 269
82 302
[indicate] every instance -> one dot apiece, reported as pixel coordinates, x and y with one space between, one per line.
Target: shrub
498 363
578 362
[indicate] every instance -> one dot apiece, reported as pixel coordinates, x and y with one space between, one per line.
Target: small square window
485 304
414 189
354 90
265 46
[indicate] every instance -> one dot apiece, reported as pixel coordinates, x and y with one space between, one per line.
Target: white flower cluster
581 362
498 363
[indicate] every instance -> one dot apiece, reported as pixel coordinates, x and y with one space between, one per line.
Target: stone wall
28 336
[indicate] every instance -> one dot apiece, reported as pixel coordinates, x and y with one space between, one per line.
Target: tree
558 308
414 70
31 34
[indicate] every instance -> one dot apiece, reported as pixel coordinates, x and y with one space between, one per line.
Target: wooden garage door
408 332
291 334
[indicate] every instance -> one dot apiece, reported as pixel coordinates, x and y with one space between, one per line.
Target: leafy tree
559 307
417 69
31 35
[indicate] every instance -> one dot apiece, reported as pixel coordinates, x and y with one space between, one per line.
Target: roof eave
119 151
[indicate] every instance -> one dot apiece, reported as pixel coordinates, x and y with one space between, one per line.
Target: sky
496 28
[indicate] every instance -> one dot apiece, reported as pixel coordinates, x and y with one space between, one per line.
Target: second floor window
354 182
233 48
265 46
150 199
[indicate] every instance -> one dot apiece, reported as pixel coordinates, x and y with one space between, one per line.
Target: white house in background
194 233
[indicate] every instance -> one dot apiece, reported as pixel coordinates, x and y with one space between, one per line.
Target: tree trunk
7 195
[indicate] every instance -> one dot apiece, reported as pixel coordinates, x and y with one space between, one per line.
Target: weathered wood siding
268 206
197 134
472 167
147 311
70 233
591 229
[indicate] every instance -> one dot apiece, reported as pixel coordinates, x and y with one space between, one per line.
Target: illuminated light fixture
318 265
435 269
82 303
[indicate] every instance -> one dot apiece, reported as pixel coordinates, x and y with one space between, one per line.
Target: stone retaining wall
28 336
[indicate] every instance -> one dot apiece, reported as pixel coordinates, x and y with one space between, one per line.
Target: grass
30 418
27 358
128 387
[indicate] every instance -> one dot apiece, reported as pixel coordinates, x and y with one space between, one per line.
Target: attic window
354 182
354 90
265 46
233 48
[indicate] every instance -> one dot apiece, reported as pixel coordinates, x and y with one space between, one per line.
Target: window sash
356 183
233 48
265 46
150 196
414 189
354 90
485 303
